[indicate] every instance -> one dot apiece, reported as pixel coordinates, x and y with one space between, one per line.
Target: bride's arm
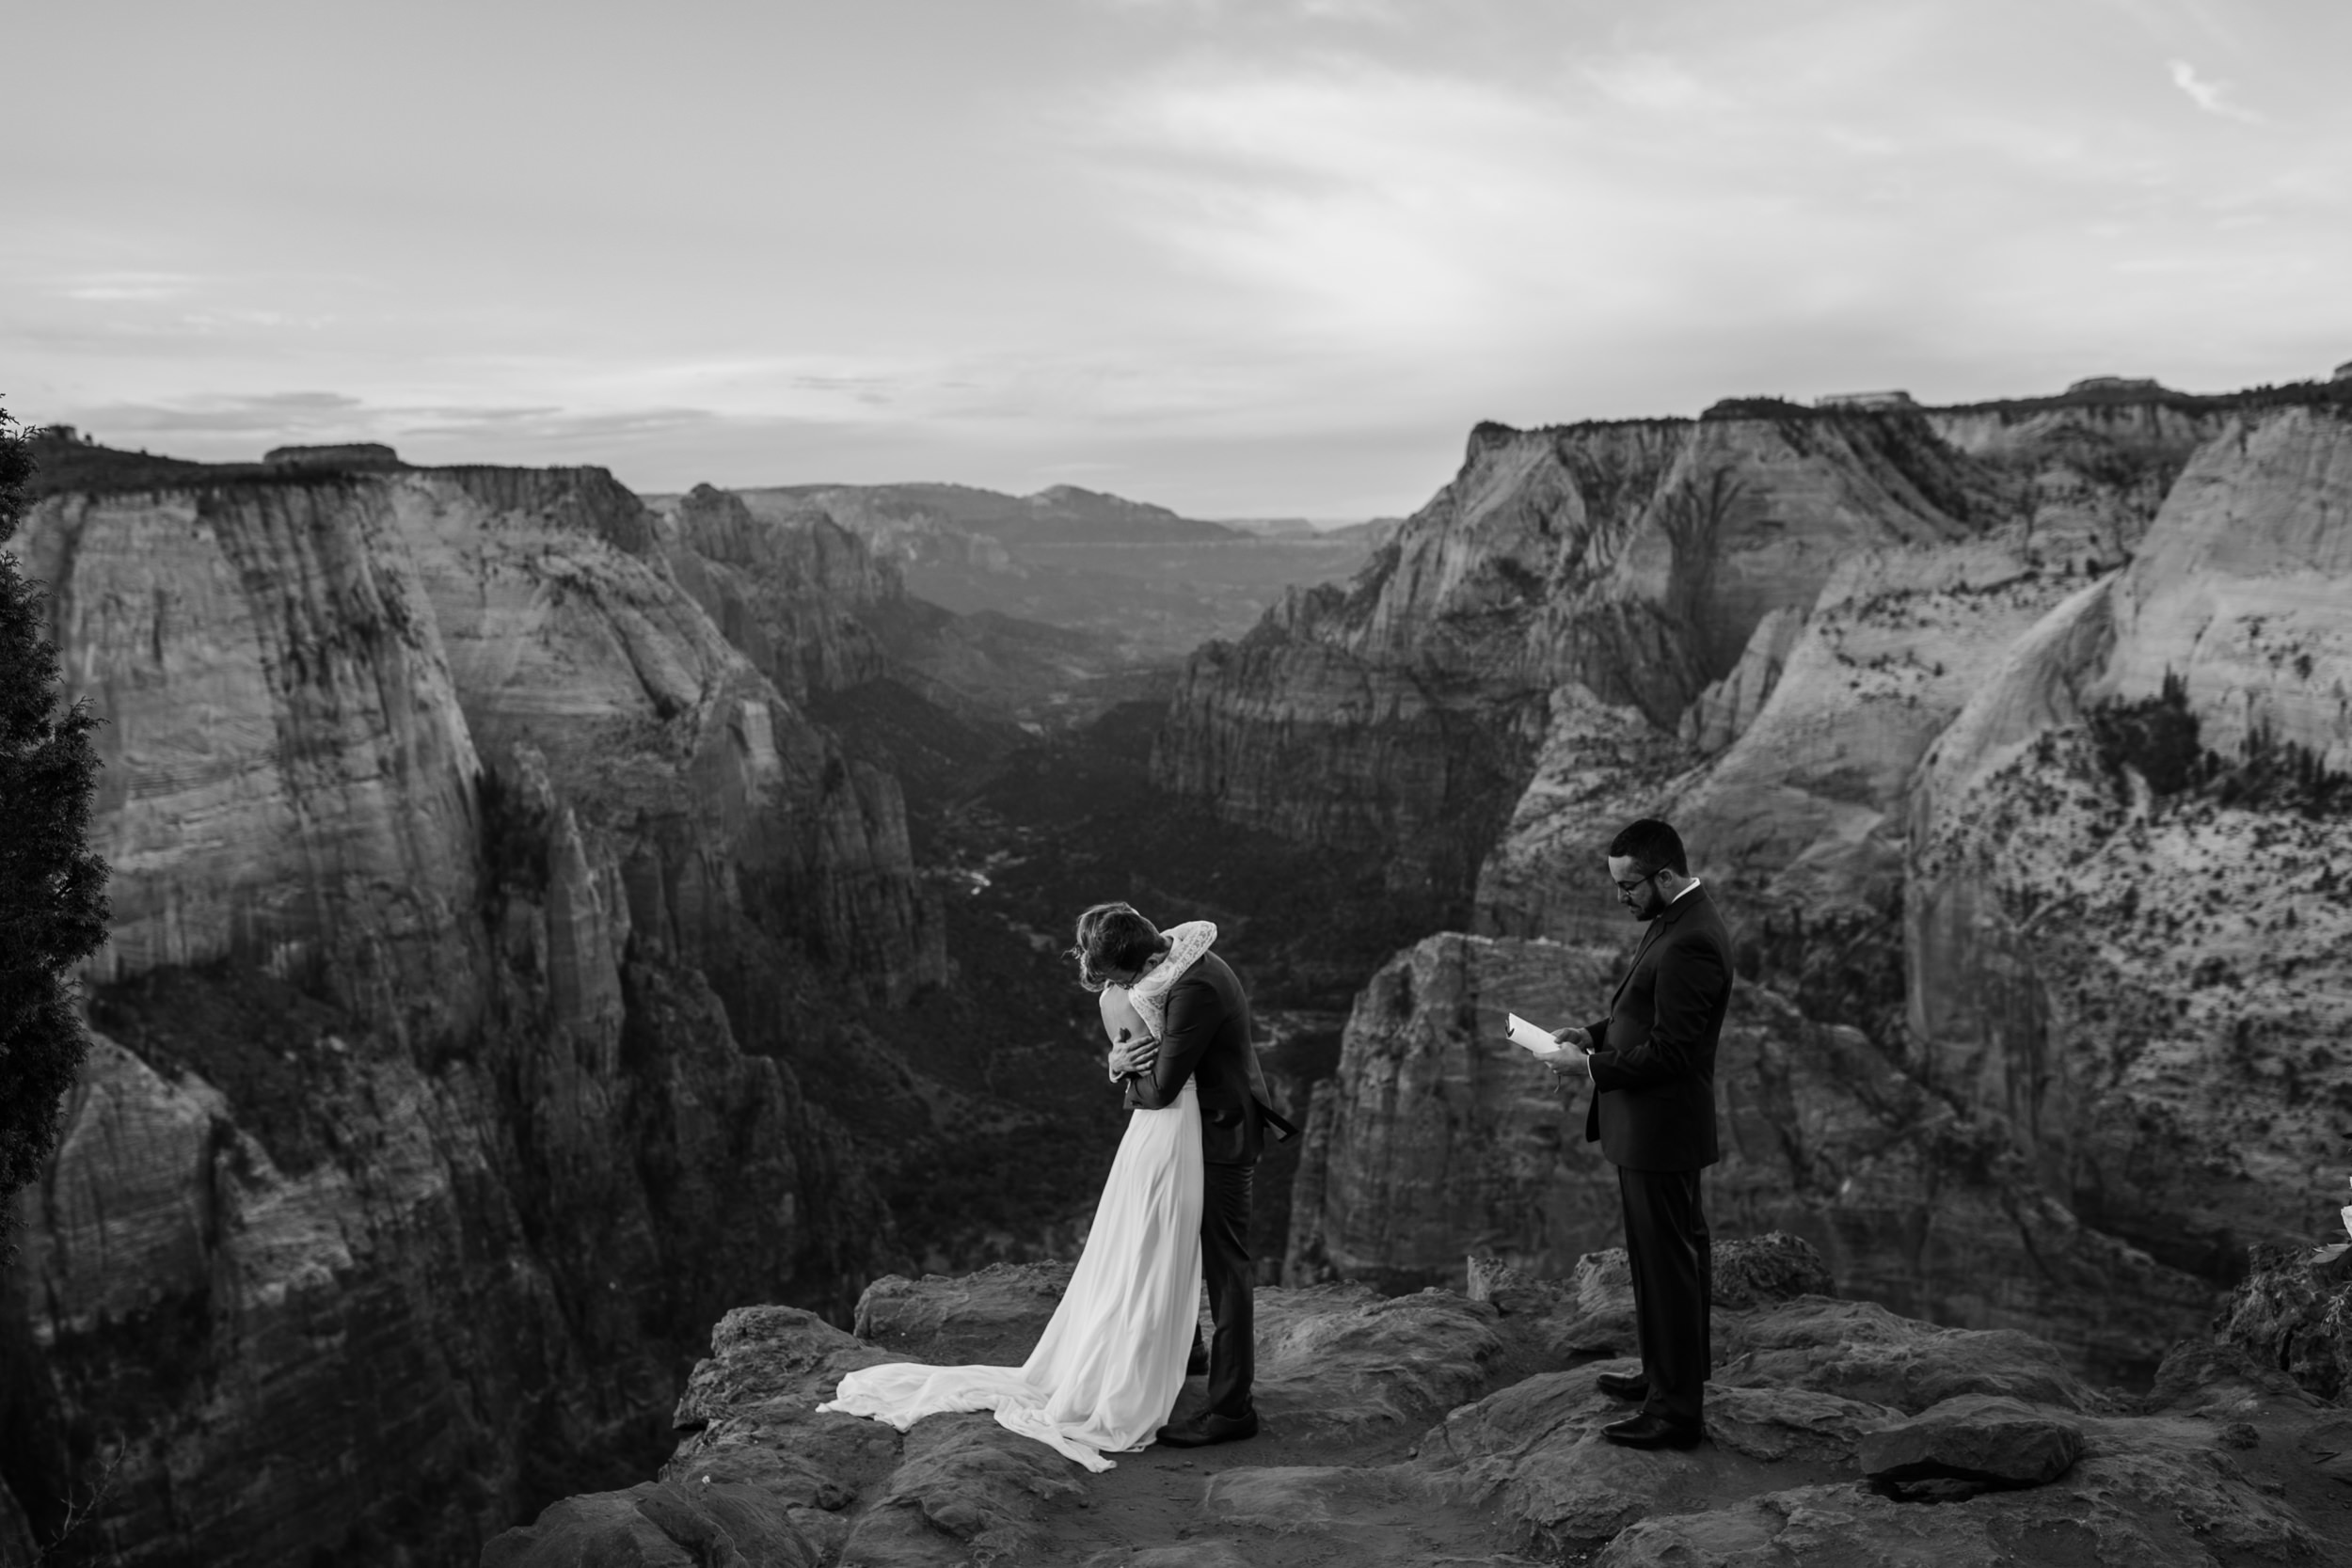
1133 1049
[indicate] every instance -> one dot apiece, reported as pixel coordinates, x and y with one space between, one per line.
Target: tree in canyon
53 889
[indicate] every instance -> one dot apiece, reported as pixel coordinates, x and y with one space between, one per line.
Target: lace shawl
1149 996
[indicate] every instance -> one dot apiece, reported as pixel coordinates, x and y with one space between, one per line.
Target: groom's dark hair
1652 842
1112 939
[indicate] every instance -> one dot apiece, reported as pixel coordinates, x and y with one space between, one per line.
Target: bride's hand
1132 1055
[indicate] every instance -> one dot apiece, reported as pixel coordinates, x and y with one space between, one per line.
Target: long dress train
1106 1372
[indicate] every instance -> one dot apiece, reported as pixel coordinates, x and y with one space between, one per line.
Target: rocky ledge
1464 1428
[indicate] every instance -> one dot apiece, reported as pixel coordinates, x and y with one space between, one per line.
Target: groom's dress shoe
1652 1432
1207 1428
1623 1386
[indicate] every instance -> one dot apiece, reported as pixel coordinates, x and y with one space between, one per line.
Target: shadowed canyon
548 920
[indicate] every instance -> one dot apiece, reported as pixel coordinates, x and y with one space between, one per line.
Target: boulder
989 1319
966 1491
1862 1352
659 1525
1773 1267
2213 1378
1340 1361
1780 1424
1975 1437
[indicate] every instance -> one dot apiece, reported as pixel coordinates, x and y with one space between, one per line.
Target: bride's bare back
1121 1021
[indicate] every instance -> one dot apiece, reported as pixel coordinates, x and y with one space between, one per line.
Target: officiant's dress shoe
1207 1428
1196 1363
1623 1386
1652 1432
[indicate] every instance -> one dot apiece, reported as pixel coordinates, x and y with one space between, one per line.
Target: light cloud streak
2212 97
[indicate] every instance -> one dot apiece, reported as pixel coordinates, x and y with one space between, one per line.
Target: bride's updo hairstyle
1113 940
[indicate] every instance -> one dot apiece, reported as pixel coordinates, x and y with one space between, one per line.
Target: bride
1106 1372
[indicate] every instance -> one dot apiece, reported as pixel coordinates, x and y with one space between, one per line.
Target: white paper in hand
1527 1037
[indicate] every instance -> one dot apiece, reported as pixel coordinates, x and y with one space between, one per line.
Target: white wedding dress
1106 1372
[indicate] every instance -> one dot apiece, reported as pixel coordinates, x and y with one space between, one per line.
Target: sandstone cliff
473 895
1635 559
2126 933
2079 1073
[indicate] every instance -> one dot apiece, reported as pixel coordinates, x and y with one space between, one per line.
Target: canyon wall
473 895
1634 560
2014 1049
2125 917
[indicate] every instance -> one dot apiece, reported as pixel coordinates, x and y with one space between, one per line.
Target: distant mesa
347 454
2344 372
1896 399
2096 384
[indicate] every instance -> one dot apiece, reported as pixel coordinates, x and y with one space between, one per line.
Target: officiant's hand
1133 1056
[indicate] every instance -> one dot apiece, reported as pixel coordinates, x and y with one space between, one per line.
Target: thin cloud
2212 97
267 418
286 413
1653 82
118 287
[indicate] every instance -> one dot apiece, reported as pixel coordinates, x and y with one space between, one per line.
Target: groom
1652 1068
1207 1041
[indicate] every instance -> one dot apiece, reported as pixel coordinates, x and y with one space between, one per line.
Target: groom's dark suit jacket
1654 1055
1207 1040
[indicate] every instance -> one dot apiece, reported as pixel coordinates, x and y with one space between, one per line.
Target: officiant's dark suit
1207 1041
1653 1114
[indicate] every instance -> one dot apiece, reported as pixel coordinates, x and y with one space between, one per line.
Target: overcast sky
1240 257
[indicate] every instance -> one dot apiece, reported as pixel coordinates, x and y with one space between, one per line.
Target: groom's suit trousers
1672 1258
1225 1268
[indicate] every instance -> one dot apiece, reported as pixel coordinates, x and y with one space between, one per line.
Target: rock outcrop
1430 1427
1437 1136
473 895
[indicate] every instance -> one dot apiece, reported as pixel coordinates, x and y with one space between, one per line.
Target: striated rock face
790 592
2131 952
289 778
1636 560
1436 1135
473 890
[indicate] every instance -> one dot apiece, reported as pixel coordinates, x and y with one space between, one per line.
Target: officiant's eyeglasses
1628 887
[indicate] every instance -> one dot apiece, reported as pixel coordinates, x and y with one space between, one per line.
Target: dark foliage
513 831
2158 737
1758 408
1846 967
53 899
